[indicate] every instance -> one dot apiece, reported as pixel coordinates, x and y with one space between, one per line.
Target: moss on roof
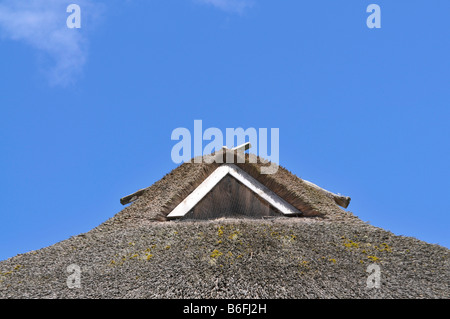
281 258
137 254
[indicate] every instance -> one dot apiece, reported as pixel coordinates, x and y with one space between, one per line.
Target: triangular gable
231 199
241 176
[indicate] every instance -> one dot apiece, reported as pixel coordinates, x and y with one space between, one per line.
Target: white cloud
237 6
41 24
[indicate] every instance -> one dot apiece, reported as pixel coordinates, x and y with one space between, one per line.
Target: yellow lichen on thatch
215 253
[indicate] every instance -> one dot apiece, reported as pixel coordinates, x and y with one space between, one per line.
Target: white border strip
264 192
192 199
208 184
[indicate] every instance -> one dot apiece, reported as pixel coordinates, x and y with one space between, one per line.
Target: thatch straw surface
158 200
137 254
281 258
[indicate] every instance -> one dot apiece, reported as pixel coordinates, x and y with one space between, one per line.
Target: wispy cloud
41 24
235 6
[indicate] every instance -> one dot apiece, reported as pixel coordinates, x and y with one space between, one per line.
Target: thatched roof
157 201
139 254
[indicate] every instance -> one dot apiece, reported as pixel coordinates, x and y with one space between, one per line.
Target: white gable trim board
212 180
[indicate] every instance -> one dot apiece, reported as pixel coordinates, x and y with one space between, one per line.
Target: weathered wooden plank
192 199
132 197
264 192
212 180
231 199
341 200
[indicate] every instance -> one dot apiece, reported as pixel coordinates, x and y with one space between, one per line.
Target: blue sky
87 114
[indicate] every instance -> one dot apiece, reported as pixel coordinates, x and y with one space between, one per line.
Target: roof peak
156 202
